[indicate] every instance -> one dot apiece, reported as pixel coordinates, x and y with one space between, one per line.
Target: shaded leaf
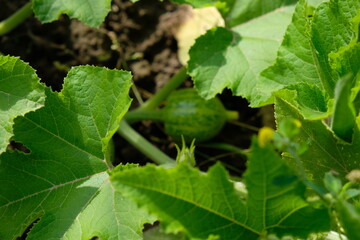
20 93
325 153
312 102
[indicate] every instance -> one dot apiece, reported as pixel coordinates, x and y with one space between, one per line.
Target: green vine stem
14 20
139 115
143 145
158 115
148 111
163 93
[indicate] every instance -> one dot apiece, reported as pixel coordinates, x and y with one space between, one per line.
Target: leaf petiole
143 145
162 94
140 114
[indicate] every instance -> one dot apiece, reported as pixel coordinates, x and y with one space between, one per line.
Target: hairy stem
143 145
14 20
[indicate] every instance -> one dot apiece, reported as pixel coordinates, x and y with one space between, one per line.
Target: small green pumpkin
189 115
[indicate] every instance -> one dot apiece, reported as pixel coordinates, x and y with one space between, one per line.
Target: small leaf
351 193
333 184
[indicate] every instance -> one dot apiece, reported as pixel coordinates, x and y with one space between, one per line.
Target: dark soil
137 37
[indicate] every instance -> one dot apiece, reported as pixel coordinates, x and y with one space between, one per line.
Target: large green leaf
325 152
64 179
234 58
304 54
200 205
20 92
91 12
186 200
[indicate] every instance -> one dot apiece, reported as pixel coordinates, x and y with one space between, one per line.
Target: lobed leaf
201 205
91 12
63 179
20 93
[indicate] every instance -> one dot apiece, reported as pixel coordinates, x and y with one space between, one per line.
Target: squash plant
307 65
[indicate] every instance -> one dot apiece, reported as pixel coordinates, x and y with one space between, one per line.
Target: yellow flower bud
265 136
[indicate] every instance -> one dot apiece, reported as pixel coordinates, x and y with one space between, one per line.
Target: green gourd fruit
189 115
